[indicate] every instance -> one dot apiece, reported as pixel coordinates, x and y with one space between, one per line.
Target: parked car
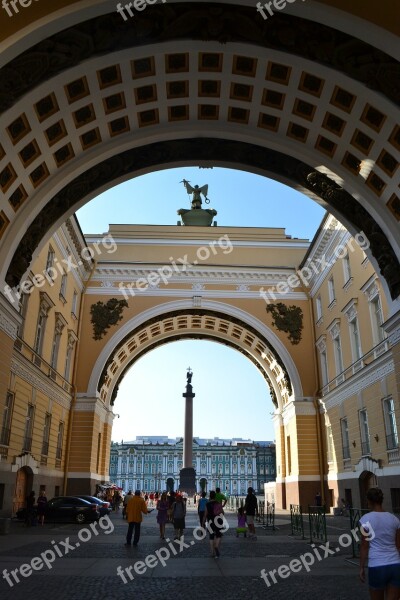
104 507
68 508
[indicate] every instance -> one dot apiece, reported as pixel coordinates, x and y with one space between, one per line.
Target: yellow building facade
309 98
35 409
309 316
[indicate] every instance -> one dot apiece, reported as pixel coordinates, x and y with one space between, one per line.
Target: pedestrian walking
381 544
211 517
178 515
201 508
251 509
162 514
242 523
30 509
41 507
135 508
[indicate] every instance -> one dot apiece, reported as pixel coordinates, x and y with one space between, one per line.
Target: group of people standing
35 510
171 507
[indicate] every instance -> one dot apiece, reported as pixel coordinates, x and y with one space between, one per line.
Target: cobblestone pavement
89 569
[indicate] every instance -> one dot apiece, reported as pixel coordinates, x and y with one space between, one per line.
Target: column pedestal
187 480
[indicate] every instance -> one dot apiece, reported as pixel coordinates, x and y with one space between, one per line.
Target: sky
227 385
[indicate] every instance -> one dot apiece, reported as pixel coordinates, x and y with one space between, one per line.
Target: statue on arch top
197 192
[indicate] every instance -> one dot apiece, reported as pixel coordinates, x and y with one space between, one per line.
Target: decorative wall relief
106 314
288 319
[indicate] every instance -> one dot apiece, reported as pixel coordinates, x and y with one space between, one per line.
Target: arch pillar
298 454
89 443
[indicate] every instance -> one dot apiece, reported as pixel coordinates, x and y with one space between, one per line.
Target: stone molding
298 408
392 328
10 319
360 381
27 371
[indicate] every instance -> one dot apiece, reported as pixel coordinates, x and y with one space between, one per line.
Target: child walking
242 523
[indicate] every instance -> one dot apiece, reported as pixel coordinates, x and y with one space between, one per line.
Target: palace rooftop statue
197 215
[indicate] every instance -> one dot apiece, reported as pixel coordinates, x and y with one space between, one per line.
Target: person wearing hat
135 508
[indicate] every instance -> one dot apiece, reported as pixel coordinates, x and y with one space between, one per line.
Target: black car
68 508
103 506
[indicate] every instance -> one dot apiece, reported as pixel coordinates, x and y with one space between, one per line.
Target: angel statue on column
196 191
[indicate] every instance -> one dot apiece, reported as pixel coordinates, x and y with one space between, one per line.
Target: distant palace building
153 463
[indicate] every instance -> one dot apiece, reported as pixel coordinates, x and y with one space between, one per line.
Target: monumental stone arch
88 99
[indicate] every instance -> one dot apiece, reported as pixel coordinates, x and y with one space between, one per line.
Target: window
346 268
364 431
338 354
60 436
371 290
6 425
27 445
63 288
74 306
46 434
392 440
318 305
70 350
23 308
345 439
44 307
377 319
289 455
329 444
355 339
59 326
331 290
324 367
40 328
50 263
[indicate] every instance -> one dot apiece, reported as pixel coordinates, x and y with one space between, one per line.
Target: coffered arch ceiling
204 84
196 324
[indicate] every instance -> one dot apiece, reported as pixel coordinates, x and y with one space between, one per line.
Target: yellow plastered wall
84 440
307 445
23 396
6 346
280 451
105 450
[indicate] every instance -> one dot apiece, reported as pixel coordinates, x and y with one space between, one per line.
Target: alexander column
187 475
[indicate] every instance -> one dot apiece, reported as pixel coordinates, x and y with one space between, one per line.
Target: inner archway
267 72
